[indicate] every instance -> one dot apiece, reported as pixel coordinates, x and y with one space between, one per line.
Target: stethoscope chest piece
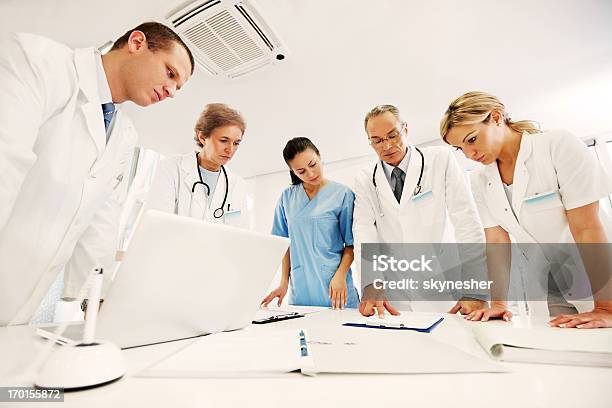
218 213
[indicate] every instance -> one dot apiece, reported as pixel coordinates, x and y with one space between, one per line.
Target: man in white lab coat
64 148
410 195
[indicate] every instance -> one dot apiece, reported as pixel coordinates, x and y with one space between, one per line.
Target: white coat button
505 209
93 176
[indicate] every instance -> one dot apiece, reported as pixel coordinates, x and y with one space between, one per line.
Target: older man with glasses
410 195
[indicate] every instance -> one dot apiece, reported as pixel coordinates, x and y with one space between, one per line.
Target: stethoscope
417 189
218 213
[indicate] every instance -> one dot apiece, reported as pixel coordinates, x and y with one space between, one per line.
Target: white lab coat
556 166
448 214
59 177
172 186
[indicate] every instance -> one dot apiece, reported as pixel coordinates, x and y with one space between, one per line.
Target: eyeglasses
393 137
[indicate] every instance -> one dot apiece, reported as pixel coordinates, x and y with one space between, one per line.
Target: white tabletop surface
528 385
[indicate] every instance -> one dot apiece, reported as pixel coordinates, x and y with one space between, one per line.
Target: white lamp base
82 366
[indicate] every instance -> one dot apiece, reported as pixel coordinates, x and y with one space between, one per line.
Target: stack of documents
583 347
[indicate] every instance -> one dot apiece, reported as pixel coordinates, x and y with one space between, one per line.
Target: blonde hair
380 110
476 107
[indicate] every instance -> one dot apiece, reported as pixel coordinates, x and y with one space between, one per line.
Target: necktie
108 110
399 177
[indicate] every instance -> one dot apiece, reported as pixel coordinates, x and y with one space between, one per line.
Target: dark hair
159 37
216 115
292 148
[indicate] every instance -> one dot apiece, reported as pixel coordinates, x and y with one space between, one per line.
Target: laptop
182 277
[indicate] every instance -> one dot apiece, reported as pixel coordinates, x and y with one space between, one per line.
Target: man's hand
367 308
479 310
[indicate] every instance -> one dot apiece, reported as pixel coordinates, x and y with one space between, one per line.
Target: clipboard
396 327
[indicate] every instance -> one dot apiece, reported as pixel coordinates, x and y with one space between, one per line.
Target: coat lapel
109 152
521 175
189 176
497 201
412 176
384 188
85 64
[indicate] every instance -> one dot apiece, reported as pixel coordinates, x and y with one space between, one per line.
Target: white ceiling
549 60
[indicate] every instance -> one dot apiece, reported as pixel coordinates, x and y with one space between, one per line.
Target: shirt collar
209 172
103 88
403 164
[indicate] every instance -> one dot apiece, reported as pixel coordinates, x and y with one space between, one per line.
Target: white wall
548 60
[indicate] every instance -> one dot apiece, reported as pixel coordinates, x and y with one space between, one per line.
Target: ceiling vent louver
228 38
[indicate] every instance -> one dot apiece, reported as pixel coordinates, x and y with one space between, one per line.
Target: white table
529 385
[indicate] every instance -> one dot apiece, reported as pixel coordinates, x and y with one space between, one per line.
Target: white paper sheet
241 352
364 350
412 320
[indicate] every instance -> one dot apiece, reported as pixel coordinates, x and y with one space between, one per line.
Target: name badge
537 197
231 217
422 195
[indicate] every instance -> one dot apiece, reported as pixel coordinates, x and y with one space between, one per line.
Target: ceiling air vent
228 38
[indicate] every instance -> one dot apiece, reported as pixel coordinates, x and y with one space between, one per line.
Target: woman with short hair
198 184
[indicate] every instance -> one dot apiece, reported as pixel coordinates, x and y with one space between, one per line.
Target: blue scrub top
319 230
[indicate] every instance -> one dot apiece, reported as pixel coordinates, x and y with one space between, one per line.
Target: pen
93 306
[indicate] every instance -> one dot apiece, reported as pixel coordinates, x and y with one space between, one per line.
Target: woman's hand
479 310
279 293
337 291
601 316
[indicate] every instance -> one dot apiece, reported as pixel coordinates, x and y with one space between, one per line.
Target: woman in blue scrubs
317 215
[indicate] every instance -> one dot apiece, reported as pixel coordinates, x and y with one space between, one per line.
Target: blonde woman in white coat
198 184
536 188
